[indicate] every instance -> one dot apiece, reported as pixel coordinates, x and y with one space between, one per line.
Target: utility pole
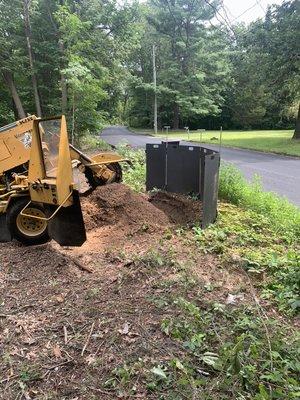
155 95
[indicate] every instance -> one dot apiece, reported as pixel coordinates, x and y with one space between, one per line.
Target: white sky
257 9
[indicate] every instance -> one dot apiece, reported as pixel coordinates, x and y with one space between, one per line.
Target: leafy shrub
90 142
234 188
135 172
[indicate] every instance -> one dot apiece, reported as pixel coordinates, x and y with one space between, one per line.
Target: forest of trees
92 60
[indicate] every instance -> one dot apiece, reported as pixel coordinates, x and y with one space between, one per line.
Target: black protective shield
67 227
155 166
185 169
210 189
5 235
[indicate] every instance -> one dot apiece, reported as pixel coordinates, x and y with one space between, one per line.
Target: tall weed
235 189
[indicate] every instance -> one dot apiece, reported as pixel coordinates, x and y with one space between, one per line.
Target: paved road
279 174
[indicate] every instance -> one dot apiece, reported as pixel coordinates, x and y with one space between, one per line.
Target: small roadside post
200 134
167 127
221 136
187 131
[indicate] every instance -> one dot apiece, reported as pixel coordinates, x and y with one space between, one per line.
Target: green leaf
159 372
179 366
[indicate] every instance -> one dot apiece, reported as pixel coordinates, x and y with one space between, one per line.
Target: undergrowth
212 350
233 352
245 238
93 143
235 189
135 172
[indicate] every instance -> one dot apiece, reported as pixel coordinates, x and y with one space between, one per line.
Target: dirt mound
179 208
117 204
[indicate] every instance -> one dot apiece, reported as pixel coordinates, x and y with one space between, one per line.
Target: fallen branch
8 378
78 264
82 267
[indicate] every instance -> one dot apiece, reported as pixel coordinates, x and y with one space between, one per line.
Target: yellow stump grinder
39 200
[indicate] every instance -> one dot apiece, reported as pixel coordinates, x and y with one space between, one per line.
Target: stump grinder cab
39 200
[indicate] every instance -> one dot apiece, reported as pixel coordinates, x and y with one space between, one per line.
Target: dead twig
52 367
263 317
25 307
99 347
65 334
88 339
100 390
8 378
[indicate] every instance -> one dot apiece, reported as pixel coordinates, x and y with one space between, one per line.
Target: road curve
279 174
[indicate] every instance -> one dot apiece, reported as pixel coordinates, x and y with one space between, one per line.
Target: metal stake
200 134
221 136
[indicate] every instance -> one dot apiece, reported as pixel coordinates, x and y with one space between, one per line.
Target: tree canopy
92 60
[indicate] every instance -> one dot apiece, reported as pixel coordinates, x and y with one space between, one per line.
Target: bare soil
70 317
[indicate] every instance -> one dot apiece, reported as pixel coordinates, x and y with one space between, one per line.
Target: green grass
270 141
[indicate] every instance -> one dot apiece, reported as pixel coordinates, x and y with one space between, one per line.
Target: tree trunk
63 82
8 77
297 129
176 116
31 58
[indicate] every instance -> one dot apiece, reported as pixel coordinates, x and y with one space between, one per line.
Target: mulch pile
117 204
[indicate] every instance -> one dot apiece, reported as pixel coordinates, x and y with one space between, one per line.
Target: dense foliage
92 60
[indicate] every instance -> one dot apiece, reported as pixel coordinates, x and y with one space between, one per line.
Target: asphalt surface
279 174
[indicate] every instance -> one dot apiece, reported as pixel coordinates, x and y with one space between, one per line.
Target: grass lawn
270 141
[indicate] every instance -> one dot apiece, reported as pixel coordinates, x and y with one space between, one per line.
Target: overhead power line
217 15
256 4
245 12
